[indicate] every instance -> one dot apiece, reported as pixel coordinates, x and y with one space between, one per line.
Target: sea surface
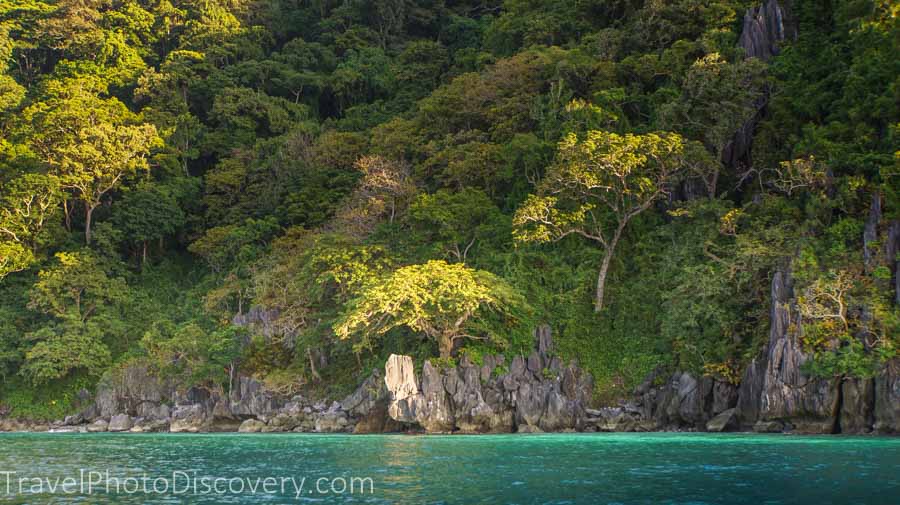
617 468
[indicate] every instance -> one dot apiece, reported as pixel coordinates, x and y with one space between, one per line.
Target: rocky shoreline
532 394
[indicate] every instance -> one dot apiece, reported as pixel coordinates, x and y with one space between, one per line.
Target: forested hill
295 189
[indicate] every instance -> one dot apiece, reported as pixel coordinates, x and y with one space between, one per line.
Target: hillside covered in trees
295 189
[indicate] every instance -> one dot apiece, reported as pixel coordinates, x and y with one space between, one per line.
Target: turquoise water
503 469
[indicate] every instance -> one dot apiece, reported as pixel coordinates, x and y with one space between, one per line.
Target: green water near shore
490 469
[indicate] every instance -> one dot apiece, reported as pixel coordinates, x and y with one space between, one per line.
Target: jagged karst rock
763 28
774 395
368 406
537 392
250 398
891 250
131 390
775 386
683 402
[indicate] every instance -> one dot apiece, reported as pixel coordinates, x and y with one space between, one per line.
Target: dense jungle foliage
295 189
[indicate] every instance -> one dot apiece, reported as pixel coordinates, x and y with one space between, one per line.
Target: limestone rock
332 422
762 30
857 406
774 386
98 426
251 426
131 390
887 401
120 422
725 421
470 398
400 377
250 398
150 426
768 427
368 406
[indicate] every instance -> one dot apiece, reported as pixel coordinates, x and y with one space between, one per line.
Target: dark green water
530 469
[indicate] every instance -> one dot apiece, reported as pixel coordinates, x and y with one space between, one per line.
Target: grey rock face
763 29
774 387
857 413
265 322
368 405
132 390
683 402
249 398
887 401
891 250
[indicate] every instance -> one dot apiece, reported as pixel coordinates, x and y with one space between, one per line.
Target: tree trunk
89 212
312 365
144 255
445 343
67 212
604 268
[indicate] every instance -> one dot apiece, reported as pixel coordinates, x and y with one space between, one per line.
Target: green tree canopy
440 300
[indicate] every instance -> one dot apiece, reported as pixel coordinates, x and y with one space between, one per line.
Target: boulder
190 418
251 426
769 427
98 426
150 426
120 422
73 420
724 421
286 421
332 422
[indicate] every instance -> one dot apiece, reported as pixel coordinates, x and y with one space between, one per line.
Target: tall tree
91 143
437 299
596 186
